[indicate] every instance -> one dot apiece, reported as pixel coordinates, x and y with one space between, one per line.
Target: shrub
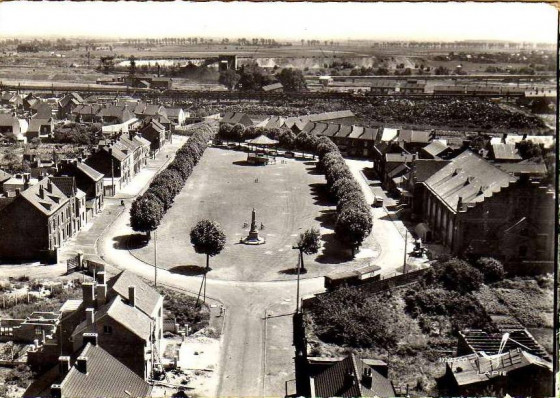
454 274
492 269
346 317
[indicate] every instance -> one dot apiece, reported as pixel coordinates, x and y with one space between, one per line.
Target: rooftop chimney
81 364
89 338
101 294
349 377
41 192
88 294
63 365
49 186
56 391
90 316
504 136
367 378
132 296
101 277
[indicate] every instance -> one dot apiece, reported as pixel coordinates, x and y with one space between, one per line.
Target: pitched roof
152 110
147 298
479 340
173 112
4 176
274 122
425 168
471 369
321 117
86 109
135 321
369 134
434 148
7 119
89 171
66 184
105 377
273 86
468 177
414 136
234 117
523 167
36 123
546 140
505 152
262 140
343 379
141 140
43 110
47 198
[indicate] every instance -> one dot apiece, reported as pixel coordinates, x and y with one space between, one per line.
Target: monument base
249 240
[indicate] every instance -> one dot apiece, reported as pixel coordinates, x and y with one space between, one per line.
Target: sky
528 22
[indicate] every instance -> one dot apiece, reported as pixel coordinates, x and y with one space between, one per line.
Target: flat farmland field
288 197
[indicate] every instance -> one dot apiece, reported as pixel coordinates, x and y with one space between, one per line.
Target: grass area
413 339
182 307
288 199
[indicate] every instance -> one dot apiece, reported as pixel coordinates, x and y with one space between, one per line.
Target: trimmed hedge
145 215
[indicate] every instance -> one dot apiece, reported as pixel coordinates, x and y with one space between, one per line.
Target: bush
348 317
454 274
183 308
492 269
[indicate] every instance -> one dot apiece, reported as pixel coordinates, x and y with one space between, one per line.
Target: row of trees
354 220
148 209
252 77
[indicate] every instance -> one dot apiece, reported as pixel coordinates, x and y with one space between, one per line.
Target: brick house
177 115
116 162
127 315
236 117
40 128
35 223
89 181
113 114
154 132
85 113
77 201
476 208
9 125
68 103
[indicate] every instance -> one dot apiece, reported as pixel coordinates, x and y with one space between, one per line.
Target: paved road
242 366
385 230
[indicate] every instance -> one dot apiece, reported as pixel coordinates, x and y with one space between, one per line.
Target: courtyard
289 198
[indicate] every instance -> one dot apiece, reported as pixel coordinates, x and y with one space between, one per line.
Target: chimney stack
504 136
367 378
41 192
89 338
101 277
90 316
101 294
63 365
88 294
56 391
81 364
132 296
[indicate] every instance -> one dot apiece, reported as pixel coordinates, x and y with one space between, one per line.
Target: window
38 331
107 329
522 251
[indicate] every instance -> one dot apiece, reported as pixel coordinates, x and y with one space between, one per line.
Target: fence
376 286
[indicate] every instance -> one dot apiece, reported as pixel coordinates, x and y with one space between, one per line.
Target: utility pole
155 258
405 244
298 273
112 173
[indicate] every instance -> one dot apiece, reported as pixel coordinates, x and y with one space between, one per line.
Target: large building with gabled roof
475 208
35 224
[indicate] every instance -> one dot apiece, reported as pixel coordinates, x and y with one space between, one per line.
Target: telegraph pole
155 258
405 244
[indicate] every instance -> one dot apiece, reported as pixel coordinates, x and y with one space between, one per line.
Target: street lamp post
155 258
298 273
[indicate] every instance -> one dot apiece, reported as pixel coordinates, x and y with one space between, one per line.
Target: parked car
289 154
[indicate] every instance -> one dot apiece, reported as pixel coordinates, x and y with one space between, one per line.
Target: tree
343 186
229 78
292 80
454 274
308 243
492 269
324 146
237 132
146 213
353 226
441 70
132 65
529 150
207 237
287 139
